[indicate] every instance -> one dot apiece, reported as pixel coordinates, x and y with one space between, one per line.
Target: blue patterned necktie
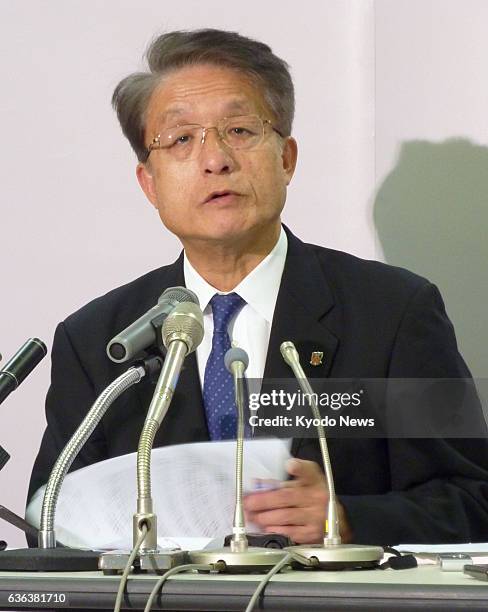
218 385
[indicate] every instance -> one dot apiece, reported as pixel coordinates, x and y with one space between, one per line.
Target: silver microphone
182 333
330 554
47 537
236 361
290 355
239 556
141 334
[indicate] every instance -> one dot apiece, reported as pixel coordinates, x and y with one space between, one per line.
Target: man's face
257 178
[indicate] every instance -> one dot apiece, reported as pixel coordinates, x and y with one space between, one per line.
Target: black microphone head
40 344
179 294
21 365
236 354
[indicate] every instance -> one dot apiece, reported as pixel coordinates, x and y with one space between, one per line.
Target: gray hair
177 49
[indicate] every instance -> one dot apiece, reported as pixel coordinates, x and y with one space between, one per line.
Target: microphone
4 457
236 361
20 366
239 557
142 333
182 332
50 555
290 355
331 554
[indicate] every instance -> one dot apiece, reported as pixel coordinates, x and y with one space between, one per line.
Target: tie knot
223 309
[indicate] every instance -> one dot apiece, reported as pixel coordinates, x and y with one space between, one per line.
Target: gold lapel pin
316 358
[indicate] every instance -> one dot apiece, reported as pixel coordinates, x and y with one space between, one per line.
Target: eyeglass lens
184 141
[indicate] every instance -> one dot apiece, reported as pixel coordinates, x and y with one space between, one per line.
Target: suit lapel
303 315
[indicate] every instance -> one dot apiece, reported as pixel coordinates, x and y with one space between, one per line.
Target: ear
289 157
146 181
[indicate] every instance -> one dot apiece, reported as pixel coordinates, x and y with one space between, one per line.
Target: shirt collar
259 288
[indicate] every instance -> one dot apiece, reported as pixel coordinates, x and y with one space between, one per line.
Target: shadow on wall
431 215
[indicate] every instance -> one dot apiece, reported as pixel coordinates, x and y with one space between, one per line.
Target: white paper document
193 489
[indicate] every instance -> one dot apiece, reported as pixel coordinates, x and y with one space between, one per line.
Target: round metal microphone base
253 560
338 557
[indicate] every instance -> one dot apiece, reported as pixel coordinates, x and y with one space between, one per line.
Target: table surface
422 588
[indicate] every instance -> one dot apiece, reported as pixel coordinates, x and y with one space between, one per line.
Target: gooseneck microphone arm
290 355
47 536
182 332
236 361
157 411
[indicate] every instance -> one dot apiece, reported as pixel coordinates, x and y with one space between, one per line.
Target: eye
181 136
182 139
240 131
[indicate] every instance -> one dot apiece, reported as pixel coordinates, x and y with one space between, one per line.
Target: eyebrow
170 113
235 105
239 105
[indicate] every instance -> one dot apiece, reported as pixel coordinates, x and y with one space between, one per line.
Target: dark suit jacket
370 320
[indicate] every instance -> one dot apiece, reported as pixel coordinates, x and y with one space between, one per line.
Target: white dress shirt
251 327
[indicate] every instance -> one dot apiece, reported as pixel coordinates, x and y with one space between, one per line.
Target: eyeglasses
184 142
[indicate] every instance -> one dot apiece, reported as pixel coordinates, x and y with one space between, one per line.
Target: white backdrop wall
431 154
74 223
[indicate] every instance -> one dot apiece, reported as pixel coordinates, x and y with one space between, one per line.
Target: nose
215 156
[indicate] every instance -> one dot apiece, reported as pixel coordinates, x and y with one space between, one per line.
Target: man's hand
298 509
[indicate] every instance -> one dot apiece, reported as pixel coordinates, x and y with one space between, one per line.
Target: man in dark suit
210 124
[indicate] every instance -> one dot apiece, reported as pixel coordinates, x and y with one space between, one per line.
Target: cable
130 561
274 570
170 572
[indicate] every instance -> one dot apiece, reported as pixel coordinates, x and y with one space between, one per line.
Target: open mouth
222 196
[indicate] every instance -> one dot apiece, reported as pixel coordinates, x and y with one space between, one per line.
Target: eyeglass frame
155 144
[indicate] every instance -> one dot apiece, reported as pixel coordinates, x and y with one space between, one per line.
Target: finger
249 516
285 516
270 500
307 473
